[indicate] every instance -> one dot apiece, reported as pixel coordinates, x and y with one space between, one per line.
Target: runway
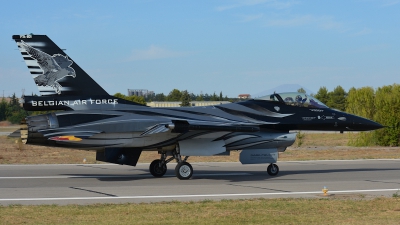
105 183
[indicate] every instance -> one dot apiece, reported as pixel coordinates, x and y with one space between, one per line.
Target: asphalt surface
105 183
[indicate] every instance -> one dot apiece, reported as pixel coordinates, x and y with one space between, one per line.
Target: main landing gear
183 169
273 169
158 168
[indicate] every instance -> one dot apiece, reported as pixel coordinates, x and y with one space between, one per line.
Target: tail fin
53 71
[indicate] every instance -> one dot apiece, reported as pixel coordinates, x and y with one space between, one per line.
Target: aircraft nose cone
374 125
363 124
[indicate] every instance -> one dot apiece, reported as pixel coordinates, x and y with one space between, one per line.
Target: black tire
184 171
273 169
156 170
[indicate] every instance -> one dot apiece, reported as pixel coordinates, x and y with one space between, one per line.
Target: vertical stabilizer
53 71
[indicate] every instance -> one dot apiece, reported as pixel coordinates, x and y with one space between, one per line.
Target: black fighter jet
119 130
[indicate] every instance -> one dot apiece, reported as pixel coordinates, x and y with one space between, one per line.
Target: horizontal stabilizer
15 134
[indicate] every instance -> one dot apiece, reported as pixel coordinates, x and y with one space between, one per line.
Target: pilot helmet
299 98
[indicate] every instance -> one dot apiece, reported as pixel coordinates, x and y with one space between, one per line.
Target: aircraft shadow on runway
231 175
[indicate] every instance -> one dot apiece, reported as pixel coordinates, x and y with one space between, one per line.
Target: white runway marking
193 196
119 176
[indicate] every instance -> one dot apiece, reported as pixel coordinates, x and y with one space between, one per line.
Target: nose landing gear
184 171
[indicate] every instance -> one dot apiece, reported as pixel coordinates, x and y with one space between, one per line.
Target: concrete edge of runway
201 195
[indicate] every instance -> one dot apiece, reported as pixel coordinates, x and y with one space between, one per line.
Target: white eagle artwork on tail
54 67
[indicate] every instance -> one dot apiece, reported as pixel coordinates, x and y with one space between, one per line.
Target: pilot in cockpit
300 101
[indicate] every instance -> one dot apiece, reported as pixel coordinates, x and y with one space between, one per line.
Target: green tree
220 96
322 95
14 112
214 97
174 96
3 109
382 106
387 103
200 97
193 96
133 98
301 90
14 101
160 97
337 99
119 95
16 116
185 99
361 102
137 99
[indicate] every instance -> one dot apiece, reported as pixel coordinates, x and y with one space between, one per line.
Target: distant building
244 96
140 92
192 103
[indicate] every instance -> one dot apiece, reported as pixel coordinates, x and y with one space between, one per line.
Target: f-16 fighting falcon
89 118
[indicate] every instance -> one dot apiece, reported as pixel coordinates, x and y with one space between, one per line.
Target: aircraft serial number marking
25 36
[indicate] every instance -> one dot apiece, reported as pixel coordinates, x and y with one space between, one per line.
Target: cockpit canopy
294 99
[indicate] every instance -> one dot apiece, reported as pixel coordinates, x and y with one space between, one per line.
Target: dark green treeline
12 110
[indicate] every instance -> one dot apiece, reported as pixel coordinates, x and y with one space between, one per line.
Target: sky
207 46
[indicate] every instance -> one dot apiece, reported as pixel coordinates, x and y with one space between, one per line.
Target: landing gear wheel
158 168
184 171
273 169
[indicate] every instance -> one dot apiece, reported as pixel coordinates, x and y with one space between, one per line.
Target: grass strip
253 211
